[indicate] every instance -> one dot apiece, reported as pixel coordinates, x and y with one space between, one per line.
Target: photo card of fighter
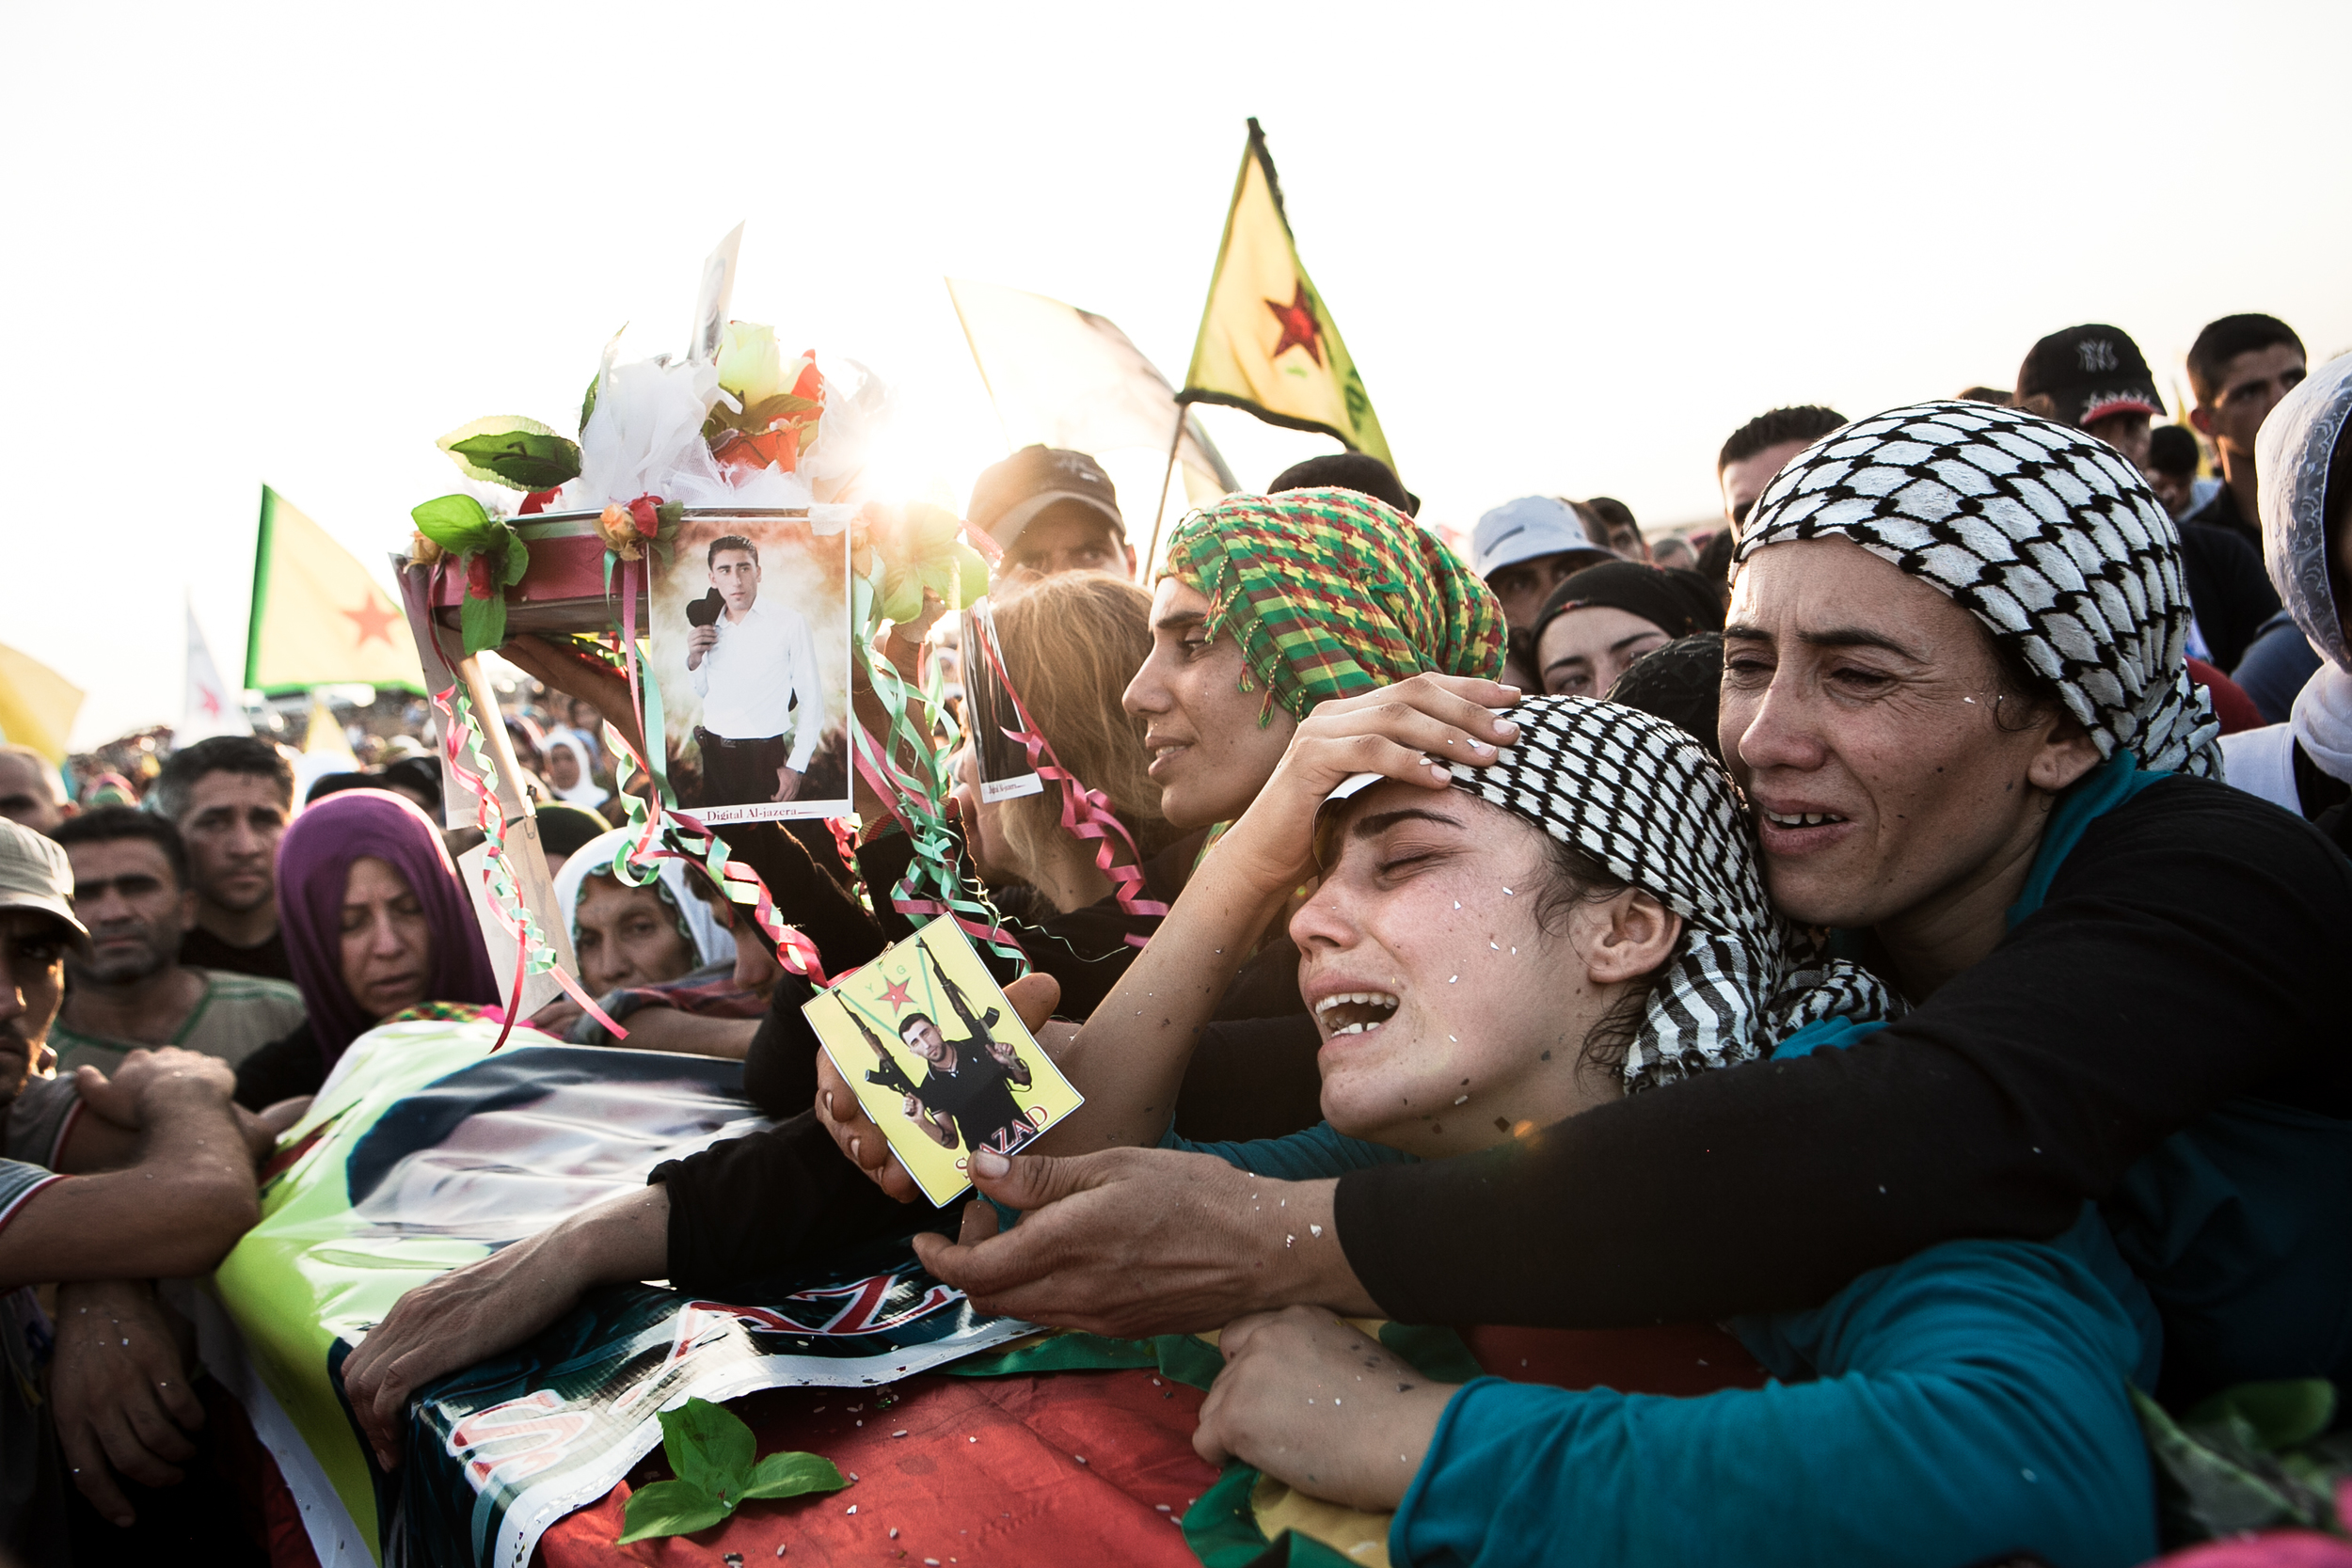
991 715
939 1059
750 649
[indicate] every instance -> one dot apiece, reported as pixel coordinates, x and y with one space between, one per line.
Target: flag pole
1169 473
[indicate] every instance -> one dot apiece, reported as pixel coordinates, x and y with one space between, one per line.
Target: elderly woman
376 924
666 958
1955 693
1968 1401
2305 764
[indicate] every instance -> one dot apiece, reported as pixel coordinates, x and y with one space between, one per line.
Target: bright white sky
1571 248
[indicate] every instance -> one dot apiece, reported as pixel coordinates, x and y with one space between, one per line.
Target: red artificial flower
480 582
534 504
644 513
780 446
809 384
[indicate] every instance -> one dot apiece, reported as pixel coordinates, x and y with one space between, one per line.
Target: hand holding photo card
940 1060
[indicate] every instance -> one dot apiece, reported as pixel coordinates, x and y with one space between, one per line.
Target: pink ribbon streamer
888 788
1086 812
498 872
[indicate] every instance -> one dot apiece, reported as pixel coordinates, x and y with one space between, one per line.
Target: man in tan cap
177 1210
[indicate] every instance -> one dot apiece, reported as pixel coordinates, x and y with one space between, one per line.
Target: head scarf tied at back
2303 444
314 859
2294 451
1643 799
711 942
1676 602
585 791
1333 594
2045 534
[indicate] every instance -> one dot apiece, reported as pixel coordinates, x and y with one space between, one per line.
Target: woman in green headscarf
1268 604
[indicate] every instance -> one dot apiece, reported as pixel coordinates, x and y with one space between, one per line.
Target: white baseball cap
1530 527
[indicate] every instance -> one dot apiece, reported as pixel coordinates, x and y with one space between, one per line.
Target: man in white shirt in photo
754 668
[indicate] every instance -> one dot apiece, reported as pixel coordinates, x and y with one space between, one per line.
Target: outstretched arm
177 1212
471 1314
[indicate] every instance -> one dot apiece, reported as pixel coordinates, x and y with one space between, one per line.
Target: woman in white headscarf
571 772
2305 764
659 945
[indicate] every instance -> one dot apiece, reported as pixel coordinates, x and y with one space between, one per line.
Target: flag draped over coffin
428 1150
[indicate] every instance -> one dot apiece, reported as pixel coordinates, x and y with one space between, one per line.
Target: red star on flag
896 996
1299 327
211 699
369 621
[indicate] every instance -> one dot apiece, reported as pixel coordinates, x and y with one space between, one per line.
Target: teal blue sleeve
1968 1402
1318 1151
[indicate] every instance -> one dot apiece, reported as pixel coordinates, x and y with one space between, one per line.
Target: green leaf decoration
902 596
456 523
975 574
518 556
710 1446
793 1474
507 448
2280 1414
483 623
762 413
2214 1481
669 1508
710 1451
588 403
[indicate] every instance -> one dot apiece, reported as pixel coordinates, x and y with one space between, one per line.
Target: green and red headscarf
1333 594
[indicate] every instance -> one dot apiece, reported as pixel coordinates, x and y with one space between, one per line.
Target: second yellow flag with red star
319 618
1267 344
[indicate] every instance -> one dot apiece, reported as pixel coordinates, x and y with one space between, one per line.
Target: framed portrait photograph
991 715
938 1057
750 630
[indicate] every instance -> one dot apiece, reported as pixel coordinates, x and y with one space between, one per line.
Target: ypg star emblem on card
939 1059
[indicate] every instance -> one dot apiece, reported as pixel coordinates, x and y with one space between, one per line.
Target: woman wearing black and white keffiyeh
1495 948
1955 692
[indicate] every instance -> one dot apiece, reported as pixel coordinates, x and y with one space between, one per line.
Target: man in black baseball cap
2095 379
1050 511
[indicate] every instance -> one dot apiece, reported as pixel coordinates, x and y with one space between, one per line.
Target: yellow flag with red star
1267 344
318 618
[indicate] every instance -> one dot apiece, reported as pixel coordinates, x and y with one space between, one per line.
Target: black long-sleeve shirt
2193 947
745 1213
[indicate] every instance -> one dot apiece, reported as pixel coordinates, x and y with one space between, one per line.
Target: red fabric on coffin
271 1514
1016 1495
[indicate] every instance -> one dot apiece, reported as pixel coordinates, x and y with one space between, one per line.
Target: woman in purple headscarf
377 922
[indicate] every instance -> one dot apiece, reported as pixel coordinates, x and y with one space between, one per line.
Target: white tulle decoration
645 438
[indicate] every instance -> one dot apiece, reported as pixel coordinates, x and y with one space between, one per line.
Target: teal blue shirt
1966 1402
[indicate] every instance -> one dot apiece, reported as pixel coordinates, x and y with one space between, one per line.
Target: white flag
211 709
1070 378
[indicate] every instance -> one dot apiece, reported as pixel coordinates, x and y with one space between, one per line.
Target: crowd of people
1882 945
